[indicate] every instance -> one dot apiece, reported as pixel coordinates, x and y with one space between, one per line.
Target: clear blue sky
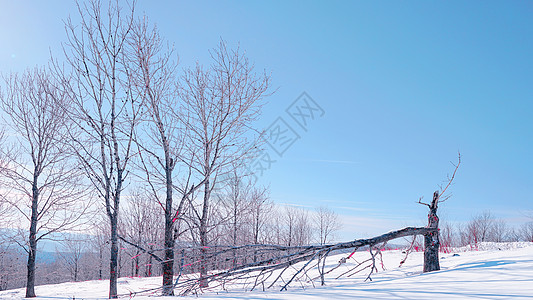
404 86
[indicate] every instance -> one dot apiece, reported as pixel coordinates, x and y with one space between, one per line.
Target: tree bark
113 261
431 239
168 264
30 282
203 236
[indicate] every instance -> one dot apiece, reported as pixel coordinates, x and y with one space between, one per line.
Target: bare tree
289 223
4 204
74 248
142 226
45 183
260 210
478 229
11 268
527 232
219 105
104 106
447 238
499 231
431 239
326 221
303 229
234 204
161 143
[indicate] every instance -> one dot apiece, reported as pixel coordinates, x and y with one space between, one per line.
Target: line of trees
481 228
79 257
116 119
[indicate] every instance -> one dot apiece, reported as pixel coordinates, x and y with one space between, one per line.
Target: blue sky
404 85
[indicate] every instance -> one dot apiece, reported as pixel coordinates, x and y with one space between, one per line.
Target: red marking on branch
161 205
175 217
136 255
352 254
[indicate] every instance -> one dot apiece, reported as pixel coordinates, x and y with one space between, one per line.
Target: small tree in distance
326 222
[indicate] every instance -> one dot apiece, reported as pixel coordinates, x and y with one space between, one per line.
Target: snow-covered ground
493 271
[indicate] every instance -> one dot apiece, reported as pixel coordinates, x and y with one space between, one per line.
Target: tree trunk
113 262
431 239
101 256
150 260
76 270
30 282
235 212
137 265
168 264
203 237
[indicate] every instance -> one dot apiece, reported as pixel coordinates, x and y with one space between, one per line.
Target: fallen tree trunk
261 270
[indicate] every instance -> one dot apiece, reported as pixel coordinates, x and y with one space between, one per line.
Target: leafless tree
235 205
11 268
219 104
45 184
431 238
161 143
260 209
499 231
478 229
303 229
142 226
447 238
326 222
72 252
4 204
104 106
290 220
527 232
296 226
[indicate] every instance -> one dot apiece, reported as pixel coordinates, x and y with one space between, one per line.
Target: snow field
494 271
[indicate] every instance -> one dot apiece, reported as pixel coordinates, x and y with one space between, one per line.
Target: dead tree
45 183
431 239
104 106
299 259
281 265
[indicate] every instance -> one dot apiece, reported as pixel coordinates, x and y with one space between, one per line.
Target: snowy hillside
493 271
